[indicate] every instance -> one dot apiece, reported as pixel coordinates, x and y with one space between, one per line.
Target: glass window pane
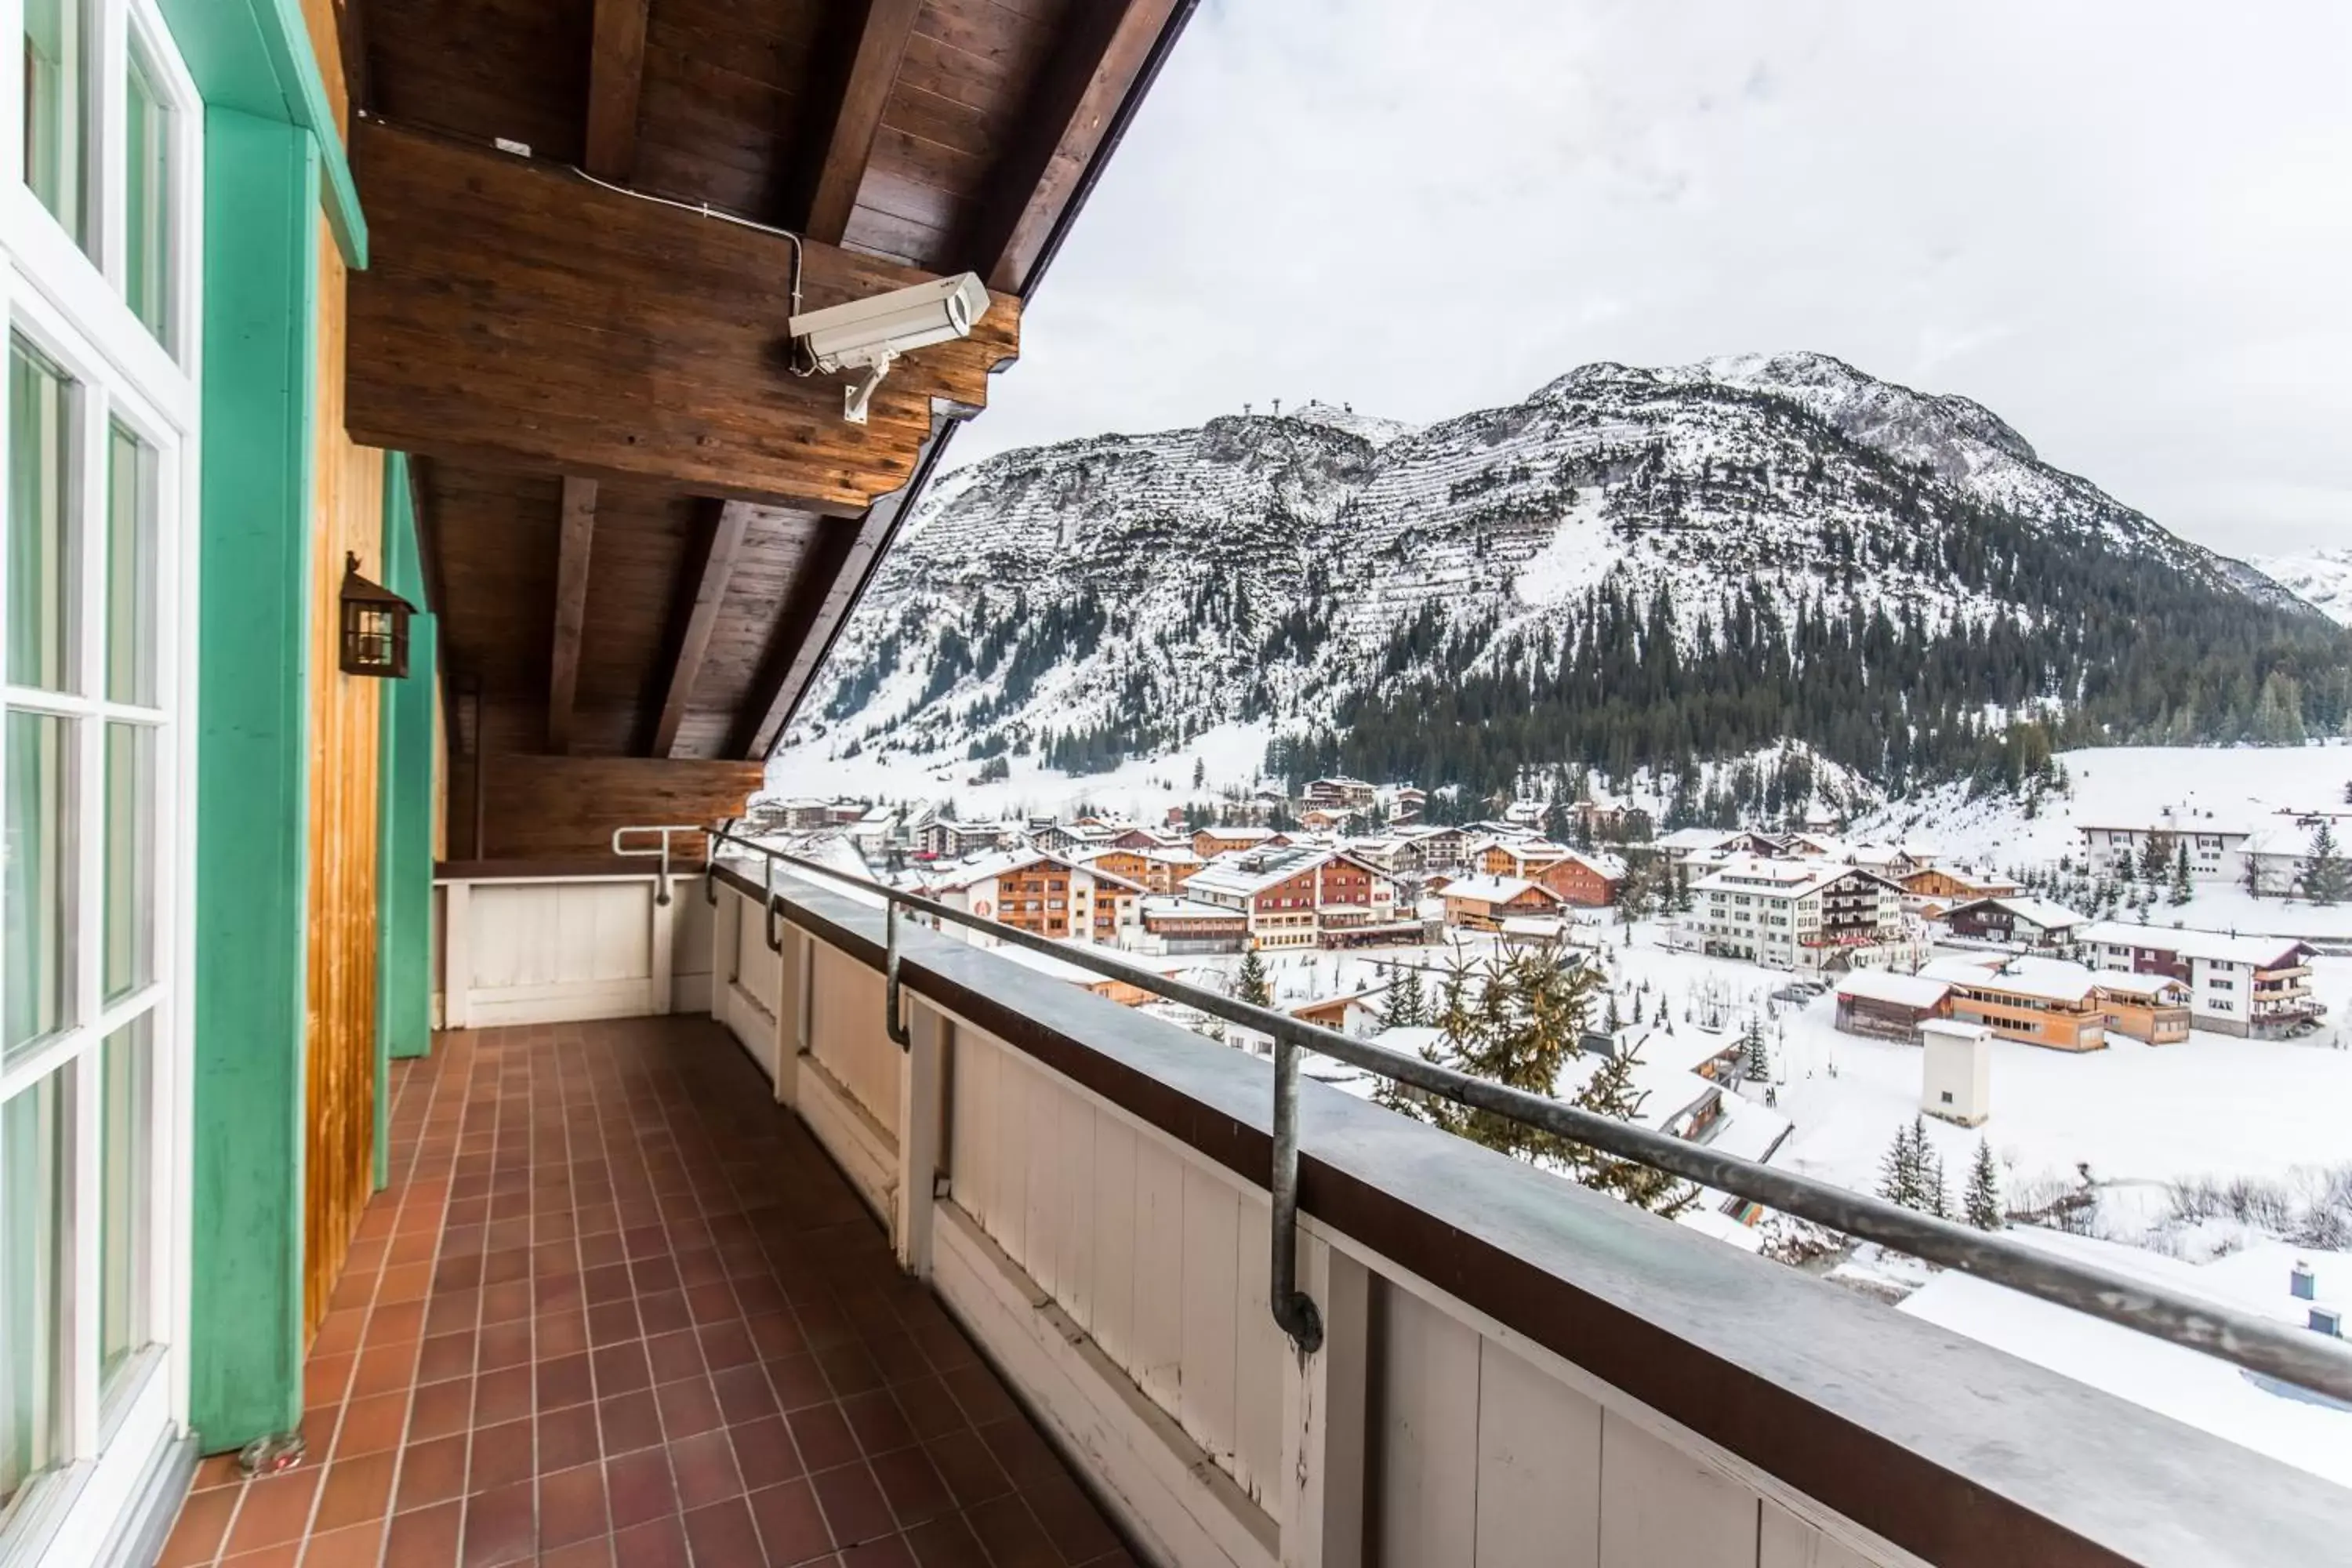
127 1068
147 193
56 110
33 1186
130 961
130 569
37 981
40 519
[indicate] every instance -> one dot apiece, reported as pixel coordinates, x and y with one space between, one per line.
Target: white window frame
70 305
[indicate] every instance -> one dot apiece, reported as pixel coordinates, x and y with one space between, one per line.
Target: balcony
765 1282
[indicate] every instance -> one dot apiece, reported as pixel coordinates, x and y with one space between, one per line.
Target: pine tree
1250 984
2182 890
2325 879
1408 1005
1898 1172
1615 1020
1610 1092
1759 1066
1935 1196
1984 1190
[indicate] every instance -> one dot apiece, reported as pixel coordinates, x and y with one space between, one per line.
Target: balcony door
98 127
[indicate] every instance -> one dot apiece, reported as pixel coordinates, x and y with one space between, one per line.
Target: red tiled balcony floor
618 1308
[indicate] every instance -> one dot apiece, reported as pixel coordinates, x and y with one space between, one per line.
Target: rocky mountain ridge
1111 596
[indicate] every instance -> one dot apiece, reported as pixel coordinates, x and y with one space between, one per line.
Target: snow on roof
2049 978
996 863
1239 834
1494 889
1777 879
1903 990
2256 1413
1531 925
2213 947
2124 982
2040 912
1411 1038
1600 862
1163 907
1243 873
1747 1129
1696 838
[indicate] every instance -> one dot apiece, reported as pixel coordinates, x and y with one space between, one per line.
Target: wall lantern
375 627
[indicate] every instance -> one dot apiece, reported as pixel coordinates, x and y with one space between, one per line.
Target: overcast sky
2125 226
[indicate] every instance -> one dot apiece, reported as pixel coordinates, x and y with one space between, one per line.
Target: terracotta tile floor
617 1308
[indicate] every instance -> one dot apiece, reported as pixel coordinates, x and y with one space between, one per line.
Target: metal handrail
2293 1354
661 878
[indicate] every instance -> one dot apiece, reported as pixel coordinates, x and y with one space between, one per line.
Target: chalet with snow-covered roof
1211 842
1520 857
2029 925
1890 1006
945 840
1042 894
1325 819
1349 793
1167 869
2151 1008
1796 914
2251 985
1300 896
1931 890
2034 1001
1589 879
1170 924
1483 903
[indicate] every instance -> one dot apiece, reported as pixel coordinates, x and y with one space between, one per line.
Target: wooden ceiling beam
616 74
840 155
514 316
1105 45
704 581
577 531
826 589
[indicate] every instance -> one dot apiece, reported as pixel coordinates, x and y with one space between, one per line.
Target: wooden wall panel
724 101
540 807
339 1043
1160 1258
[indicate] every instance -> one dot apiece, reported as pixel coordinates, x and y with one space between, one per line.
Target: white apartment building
2254 985
2213 844
1795 914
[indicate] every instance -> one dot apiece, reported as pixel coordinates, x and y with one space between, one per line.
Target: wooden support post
457 962
1324 1410
920 1084
570 608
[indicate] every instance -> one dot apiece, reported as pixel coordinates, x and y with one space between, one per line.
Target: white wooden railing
1513 1371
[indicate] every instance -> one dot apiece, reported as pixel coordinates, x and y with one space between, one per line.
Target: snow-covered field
1143 788
2138 1116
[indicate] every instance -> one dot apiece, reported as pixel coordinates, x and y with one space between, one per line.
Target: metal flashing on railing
2278 1349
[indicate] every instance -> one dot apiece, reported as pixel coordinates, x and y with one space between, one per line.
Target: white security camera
866 335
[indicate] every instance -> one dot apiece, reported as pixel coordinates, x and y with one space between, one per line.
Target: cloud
2120 223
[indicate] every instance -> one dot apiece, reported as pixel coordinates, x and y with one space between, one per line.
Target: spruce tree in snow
2325 879
2182 891
1898 1172
1615 1020
1610 1092
1984 1190
1250 984
1759 1066
1200 771
1408 1005
1935 1196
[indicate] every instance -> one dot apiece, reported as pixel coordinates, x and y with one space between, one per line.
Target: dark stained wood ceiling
522 331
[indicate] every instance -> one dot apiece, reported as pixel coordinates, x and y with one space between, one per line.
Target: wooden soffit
516 314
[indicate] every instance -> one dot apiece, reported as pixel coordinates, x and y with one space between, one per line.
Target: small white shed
1956 1071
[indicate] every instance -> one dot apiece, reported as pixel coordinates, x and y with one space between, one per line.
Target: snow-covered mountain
2323 578
1114 596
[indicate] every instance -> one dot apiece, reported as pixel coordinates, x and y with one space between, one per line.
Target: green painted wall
261 205
404 784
